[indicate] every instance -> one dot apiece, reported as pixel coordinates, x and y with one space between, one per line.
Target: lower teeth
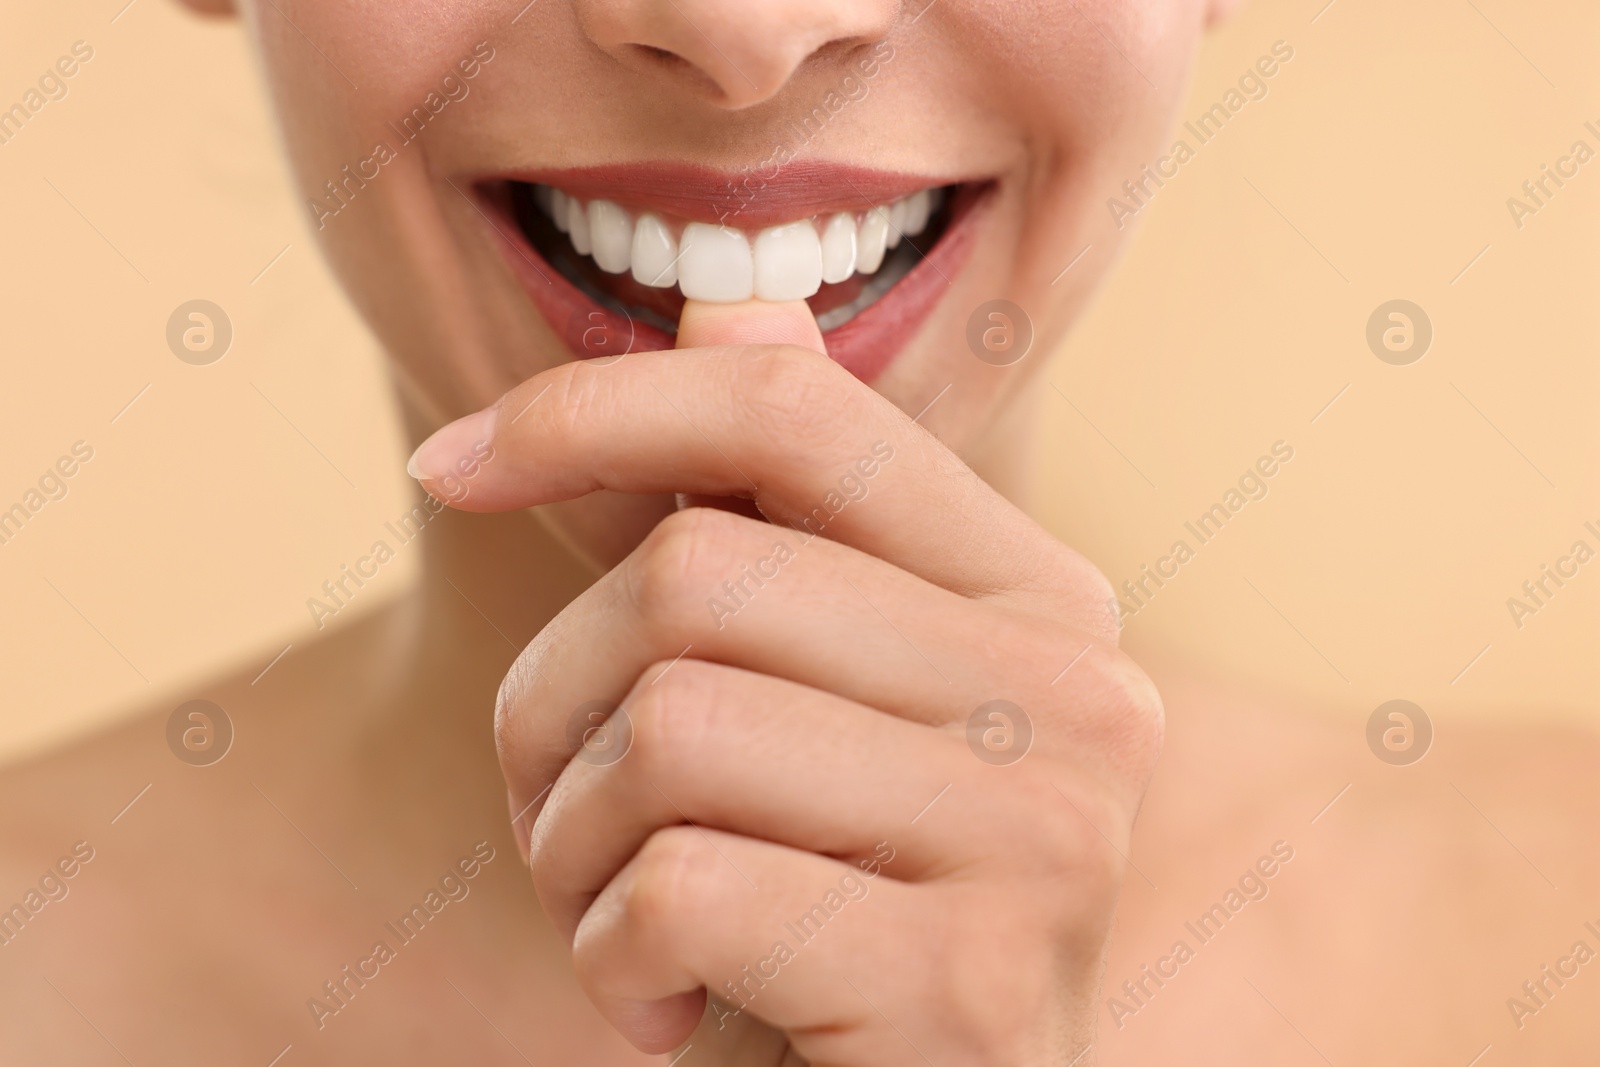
577 268
895 267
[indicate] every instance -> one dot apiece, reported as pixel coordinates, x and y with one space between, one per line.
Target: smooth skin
825 724
774 750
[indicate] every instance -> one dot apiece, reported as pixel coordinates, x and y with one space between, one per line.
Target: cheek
387 234
1101 53
377 44
345 70
1097 114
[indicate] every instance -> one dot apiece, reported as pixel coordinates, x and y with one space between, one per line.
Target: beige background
1378 167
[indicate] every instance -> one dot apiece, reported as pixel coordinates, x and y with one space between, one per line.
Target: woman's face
428 138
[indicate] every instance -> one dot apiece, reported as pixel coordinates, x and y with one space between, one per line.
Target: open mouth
610 255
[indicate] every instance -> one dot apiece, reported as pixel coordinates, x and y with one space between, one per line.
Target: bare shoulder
98 787
1390 893
127 872
217 888
90 789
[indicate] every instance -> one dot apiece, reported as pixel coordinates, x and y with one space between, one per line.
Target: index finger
815 448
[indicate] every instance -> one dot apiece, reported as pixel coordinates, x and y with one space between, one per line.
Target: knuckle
505 733
672 715
994 991
1007 988
677 563
1080 853
510 698
576 390
1050 826
1110 713
1096 590
1069 589
1091 598
672 875
1133 717
1106 702
792 394
1063 840
545 864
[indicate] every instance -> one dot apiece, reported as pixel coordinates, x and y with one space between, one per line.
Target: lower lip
865 345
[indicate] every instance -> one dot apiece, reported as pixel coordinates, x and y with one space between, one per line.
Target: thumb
754 322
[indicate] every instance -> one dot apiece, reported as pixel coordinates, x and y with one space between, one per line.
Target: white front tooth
715 264
897 223
839 248
918 208
543 195
872 240
578 226
655 254
611 233
788 262
558 209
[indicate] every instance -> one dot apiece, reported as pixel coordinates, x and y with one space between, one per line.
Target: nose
732 53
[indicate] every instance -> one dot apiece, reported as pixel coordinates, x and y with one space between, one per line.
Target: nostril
661 57
664 59
842 49
729 54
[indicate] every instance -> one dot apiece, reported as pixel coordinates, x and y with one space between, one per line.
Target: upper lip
591 326
750 199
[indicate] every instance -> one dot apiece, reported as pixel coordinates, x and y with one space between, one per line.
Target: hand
803 804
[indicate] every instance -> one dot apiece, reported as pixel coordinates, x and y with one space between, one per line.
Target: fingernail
441 455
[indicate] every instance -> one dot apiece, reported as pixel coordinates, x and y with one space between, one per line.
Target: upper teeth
723 264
